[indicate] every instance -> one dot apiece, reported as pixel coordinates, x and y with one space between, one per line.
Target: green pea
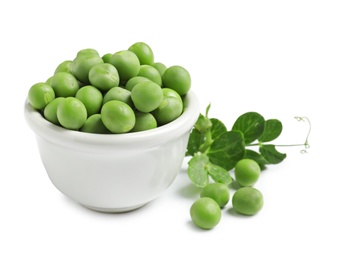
91 97
151 73
170 108
63 67
117 116
50 110
64 84
49 80
40 94
71 113
118 93
82 64
134 80
87 52
247 172
178 79
160 67
218 192
106 57
126 63
94 125
205 213
144 121
146 96
104 76
247 201
143 52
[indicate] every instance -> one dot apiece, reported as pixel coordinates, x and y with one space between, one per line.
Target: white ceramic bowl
116 172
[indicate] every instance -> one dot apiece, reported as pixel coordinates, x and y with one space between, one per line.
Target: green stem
207 143
305 144
259 144
308 134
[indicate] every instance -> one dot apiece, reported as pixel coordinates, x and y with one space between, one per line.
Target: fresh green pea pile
116 93
206 213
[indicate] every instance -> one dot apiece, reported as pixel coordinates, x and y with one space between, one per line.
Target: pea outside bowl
115 172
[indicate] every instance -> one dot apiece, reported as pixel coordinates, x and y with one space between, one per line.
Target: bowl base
114 210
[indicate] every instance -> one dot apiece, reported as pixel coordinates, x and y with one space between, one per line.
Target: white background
279 58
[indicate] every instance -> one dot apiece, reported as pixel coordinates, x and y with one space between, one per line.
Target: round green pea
118 93
160 67
151 73
143 52
170 108
247 201
64 84
146 96
71 113
49 80
91 97
247 172
63 67
134 80
178 79
104 76
82 64
106 57
205 213
144 121
50 110
40 94
87 52
94 125
117 116
218 192
126 63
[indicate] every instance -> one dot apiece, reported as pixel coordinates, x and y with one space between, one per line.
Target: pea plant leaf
273 128
196 138
218 174
195 141
227 149
203 124
270 153
197 171
215 150
217 128
251 124
250 154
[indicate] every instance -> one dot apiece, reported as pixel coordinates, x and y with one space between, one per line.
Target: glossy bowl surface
114 172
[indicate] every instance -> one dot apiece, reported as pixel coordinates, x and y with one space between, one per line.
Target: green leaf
273 128
194 143
250 154
270 153
227 149
251 124
203 124
217 128
219 174
197 171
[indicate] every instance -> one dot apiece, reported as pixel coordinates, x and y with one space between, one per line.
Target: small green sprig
215 150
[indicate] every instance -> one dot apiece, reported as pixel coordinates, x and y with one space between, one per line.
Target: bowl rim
167 132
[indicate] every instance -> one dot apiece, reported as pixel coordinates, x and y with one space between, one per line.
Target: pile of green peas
115 93
206 213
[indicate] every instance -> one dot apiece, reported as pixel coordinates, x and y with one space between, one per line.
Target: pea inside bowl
113 172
